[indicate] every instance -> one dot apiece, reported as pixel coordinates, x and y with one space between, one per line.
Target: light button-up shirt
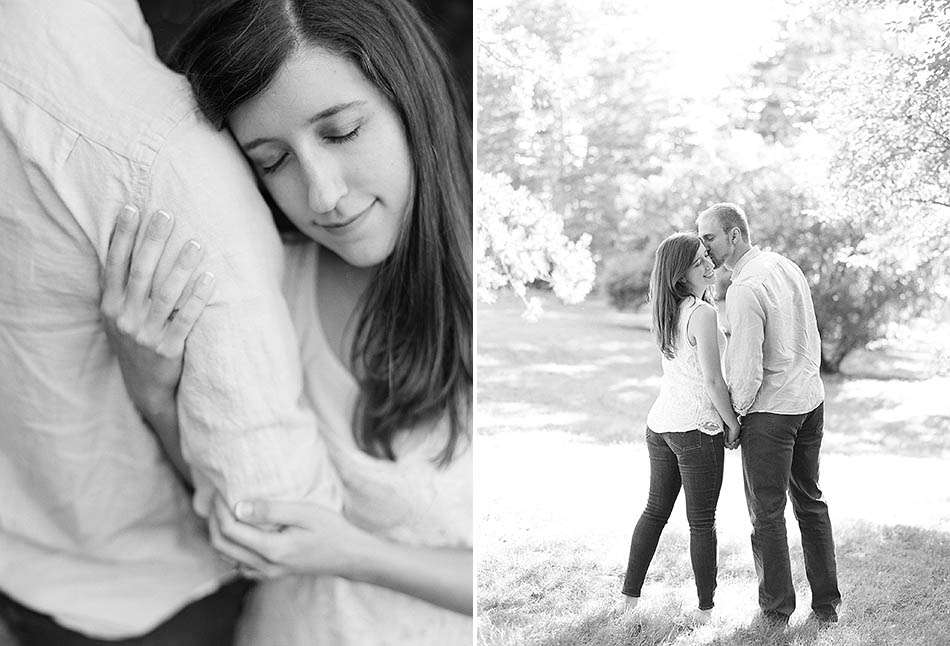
95 528
773 354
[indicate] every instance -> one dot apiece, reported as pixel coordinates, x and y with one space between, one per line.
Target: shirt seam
143 151
747 257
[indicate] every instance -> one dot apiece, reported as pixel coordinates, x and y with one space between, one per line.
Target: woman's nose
325 183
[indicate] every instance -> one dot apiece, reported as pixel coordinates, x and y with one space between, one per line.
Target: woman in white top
685 424
359 136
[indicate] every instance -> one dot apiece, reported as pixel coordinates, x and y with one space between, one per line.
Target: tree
812 153
890 175
897 149
518 242
573 124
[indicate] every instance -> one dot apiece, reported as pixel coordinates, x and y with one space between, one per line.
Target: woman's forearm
719 394
161 414
442 576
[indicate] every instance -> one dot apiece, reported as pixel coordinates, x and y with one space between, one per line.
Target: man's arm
244 429
744 351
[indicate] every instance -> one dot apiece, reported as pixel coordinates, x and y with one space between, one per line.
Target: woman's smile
346 223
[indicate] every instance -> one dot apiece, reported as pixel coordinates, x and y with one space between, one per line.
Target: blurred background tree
834 137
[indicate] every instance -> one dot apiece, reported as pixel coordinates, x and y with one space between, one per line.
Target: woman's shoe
630 604
699 617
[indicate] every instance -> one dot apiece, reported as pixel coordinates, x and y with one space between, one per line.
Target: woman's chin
362 257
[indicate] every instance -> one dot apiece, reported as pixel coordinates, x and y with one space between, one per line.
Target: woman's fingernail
191 254
160 221
129 214
243 510
203 285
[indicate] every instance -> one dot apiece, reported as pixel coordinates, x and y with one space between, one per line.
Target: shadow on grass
894 580
612 627
895 417
601 369
640 323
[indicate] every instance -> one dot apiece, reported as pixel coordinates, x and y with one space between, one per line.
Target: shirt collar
744 260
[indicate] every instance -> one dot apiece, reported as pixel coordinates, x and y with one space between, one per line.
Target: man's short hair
730 216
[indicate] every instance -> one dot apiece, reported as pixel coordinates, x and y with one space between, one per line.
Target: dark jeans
779 455
209 621
693 461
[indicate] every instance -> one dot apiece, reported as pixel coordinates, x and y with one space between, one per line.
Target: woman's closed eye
343 138
335 137
271 166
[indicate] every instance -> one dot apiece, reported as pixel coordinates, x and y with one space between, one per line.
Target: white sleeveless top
411 500
683 404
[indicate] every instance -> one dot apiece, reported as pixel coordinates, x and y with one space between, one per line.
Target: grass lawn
562 475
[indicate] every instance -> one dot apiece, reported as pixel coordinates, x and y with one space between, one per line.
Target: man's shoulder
769 272
763 264
89 73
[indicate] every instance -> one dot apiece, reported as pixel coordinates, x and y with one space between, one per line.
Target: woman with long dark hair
685 424
359 137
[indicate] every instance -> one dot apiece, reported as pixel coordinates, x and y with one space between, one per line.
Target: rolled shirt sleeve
245 430
744 352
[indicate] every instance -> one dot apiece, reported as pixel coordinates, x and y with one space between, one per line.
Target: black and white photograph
458 322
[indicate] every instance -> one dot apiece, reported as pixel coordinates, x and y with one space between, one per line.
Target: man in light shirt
771 365
98 536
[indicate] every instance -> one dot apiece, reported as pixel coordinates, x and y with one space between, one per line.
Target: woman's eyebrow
332 110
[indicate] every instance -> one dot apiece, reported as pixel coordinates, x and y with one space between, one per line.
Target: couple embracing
767 392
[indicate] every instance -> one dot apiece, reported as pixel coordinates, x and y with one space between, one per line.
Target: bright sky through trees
704 43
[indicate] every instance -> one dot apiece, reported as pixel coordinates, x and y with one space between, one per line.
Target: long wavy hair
669 287
412 351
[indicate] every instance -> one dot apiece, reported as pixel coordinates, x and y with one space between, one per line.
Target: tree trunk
830 366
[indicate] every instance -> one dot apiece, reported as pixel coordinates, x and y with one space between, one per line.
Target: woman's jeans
692 460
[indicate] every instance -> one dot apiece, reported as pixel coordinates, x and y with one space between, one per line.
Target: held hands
147 322
273 538
731 440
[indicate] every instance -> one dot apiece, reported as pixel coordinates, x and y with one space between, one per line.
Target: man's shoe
773 620
825 618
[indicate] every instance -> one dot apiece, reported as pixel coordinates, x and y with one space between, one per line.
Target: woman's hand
274 538
147 322
732 435
304 538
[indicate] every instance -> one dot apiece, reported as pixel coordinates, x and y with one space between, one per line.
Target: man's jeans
779 455
693 461
209 621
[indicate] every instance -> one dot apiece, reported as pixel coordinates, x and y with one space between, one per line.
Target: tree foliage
836 143
518 242
571 123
